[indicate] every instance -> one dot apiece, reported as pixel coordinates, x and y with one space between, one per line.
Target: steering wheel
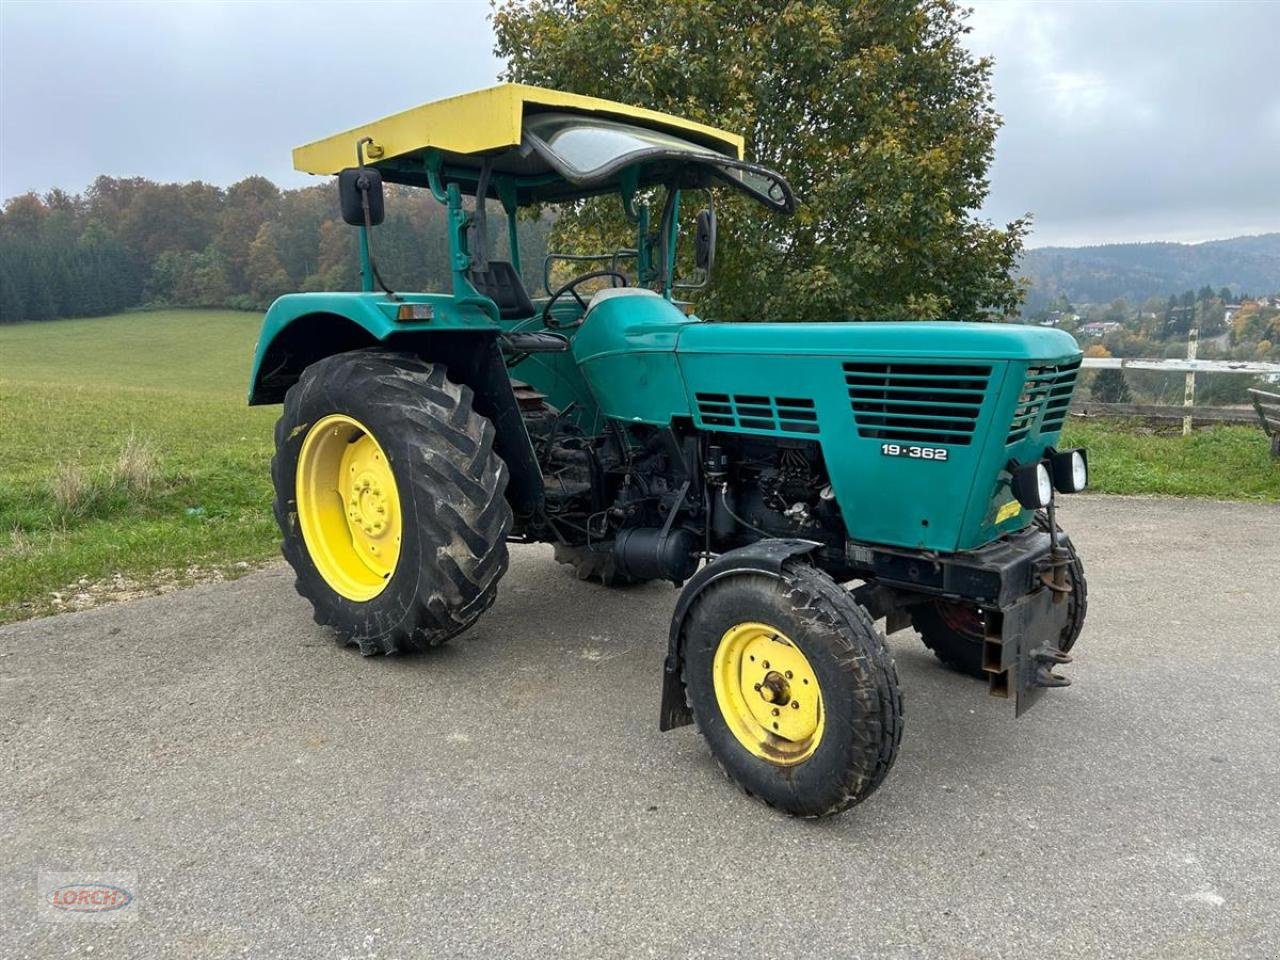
571 287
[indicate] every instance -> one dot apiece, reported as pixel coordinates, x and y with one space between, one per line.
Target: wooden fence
1188 412
1161 411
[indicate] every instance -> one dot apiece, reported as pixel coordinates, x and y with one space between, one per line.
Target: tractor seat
499 282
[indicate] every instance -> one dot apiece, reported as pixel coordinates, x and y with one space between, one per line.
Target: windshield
585 150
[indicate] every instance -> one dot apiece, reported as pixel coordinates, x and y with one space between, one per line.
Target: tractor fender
300 329
762 557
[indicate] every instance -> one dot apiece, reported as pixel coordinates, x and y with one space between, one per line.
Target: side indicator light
415 312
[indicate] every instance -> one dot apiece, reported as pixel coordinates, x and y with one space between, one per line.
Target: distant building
1099 328
1059 317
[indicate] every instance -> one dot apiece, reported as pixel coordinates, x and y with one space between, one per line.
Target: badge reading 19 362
914 453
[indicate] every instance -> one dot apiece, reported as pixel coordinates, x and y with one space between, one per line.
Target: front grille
917 402
754 412
1047 391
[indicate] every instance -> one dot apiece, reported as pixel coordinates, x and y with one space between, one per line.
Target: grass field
130 458
129 450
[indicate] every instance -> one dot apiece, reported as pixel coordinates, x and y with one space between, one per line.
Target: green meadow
129 450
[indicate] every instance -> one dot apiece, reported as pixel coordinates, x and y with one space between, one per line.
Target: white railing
1181 366
1190 366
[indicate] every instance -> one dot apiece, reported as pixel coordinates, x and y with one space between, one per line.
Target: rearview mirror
704 240
353 184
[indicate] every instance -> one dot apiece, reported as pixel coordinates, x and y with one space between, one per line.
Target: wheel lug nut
775 711
766 664
795 704
788 674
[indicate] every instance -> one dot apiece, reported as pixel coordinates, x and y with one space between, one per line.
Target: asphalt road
272 795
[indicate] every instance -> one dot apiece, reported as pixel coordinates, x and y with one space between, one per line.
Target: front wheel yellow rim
768 693
348 507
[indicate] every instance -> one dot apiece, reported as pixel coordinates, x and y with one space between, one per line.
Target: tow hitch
1020 649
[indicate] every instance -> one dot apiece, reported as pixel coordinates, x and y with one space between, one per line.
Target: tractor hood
987 341
917 422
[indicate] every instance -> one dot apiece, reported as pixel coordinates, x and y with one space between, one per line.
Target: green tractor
802 481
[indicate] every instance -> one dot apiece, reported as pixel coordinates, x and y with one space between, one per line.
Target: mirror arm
366 234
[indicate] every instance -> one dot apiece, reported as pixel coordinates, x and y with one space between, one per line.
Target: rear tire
449 506
599 566
954 631
804 639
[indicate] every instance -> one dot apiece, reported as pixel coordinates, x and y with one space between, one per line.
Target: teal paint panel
372 311
626 350
889 500
926 340
942 387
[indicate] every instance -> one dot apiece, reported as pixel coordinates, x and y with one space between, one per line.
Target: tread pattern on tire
599 566
818 599
451 494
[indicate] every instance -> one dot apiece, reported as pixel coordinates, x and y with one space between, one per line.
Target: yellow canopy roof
485 121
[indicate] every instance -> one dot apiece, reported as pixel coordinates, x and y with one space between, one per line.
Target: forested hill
1136 271
129 242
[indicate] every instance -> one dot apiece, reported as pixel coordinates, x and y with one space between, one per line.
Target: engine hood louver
1046 395
917 402
753 412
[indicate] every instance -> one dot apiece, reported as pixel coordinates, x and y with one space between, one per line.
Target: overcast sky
1123 120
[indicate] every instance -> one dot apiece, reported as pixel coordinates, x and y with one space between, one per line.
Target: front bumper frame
1010 580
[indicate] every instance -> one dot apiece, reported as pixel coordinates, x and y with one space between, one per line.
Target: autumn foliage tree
875 112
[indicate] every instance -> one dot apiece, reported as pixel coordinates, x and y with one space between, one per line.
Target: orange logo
89 898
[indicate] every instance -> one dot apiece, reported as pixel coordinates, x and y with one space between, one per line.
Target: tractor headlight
1070 470
1032 486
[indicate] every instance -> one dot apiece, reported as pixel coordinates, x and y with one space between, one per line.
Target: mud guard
762 557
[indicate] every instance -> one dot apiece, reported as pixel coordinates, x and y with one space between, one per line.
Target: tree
12 307
265 273
875 112
249 204
1110 387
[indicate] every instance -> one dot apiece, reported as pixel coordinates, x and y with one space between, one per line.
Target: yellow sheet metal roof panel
481 122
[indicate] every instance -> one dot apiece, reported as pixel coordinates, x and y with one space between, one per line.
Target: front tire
390 499
791 685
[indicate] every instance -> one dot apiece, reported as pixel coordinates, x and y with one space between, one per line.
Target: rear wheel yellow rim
768 693
348 507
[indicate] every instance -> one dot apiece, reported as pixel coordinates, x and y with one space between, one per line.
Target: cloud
1122 120
1134 120
216 91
